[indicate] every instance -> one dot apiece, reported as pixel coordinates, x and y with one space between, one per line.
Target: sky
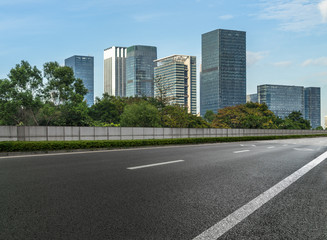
286 39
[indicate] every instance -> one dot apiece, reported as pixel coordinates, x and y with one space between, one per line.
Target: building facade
252 98
312 106
83 67
223 74
282 100
114 71
175 78
140 70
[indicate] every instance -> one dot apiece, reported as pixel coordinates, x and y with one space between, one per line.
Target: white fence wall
41 133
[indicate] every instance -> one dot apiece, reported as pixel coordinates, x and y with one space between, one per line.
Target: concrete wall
32 133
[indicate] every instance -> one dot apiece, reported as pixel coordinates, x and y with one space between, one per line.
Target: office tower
176 76
223 75
114 71
83 67
312 106
252 98
140 70
282 100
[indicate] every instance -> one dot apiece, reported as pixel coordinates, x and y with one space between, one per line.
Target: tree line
54 97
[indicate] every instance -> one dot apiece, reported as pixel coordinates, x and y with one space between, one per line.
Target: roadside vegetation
54 97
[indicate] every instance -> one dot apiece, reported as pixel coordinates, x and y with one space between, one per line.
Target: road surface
246 190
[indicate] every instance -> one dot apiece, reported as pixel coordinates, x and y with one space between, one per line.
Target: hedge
110 144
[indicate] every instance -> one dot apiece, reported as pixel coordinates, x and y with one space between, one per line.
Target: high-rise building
252 98
114 71
281 99
175 77
312 106
140 70
223 75
83 67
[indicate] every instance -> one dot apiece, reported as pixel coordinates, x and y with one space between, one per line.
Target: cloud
322 61
254 57
295 15
226 17
283 64
323 10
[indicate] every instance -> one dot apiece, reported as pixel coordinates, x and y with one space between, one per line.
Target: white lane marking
271 147
242 145
241 151
254 145
285 145
153 165
240 214
303 149
110 150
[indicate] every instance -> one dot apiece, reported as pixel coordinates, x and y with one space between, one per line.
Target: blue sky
286 39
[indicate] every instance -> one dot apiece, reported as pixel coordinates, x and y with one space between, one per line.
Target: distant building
223 75
252 98
312 106
83 67
176 76
282 100
114 71
140 70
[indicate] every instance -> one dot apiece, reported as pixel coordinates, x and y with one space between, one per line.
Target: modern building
312 106
175 78
83 67
281 99
223 74
114 71
252 98
140 70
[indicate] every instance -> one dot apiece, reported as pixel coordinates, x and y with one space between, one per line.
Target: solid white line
240 214
153 165
241 151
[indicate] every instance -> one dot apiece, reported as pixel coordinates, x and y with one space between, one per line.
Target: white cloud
322 61
295 15
283 64
254 57
226 17
323 10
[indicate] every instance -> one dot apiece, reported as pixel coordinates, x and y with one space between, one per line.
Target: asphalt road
122 195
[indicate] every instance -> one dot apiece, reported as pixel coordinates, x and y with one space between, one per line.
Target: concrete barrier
54 133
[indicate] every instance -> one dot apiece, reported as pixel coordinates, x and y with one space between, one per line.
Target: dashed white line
240 214
153 165
303 149
271 147
241 151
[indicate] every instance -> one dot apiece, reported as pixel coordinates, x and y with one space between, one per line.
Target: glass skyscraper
83 67
282 100
176 76
223 75
312 106
114 71
140 70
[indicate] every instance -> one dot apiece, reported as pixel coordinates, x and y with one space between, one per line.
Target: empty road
246 190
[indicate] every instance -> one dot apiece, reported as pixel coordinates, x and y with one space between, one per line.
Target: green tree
141 114
108 109
249 115
176 116
21 95
209 116
295 121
